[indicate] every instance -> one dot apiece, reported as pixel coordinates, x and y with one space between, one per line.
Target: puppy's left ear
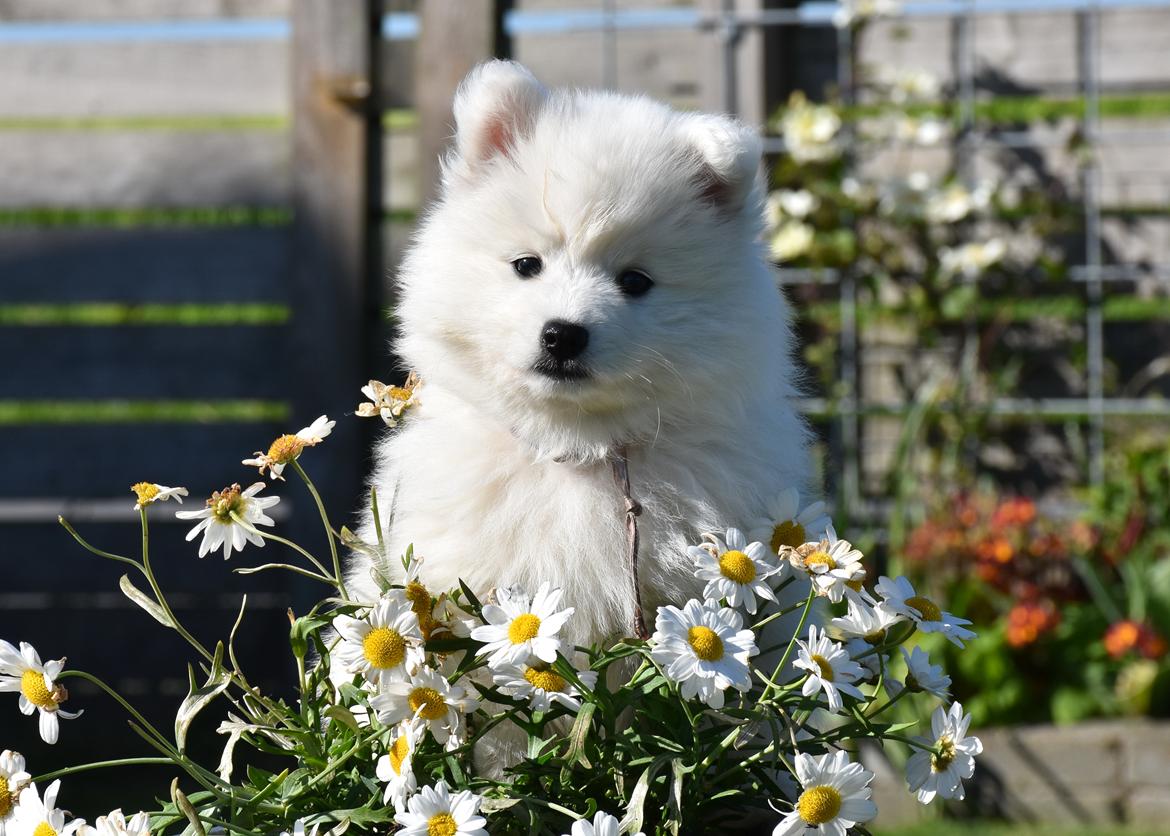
730 154
495 107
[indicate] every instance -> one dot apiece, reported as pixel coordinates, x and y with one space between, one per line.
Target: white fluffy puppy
591 278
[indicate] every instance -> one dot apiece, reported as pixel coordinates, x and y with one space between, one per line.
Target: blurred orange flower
1125 636
1027 621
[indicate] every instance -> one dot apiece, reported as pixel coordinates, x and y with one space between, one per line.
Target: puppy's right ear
495 107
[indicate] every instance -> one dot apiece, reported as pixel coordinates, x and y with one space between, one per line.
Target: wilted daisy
787 524
23 672
288 448
116 824
38 817
420 598
898 596
389 402
835 797
385 644
941 769
921 675
703 648
829 668
603 824
396 767
13 779
832 564
435 812
520 627
736 570
220 528
865 620
149 493
429 697
538 683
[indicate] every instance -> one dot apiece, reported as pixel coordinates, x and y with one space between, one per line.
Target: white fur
499 475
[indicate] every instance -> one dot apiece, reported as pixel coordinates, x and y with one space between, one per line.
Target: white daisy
865 620
951 758
396 767
541 685
37 817
421 601
898 596
921 675
704 648
435 811
833 565
288 448
431 698
735 570
149 493
518 627
835 797
221 529
603 824
386 644
786 524
13 779
829 668
389 402
116 824
23 672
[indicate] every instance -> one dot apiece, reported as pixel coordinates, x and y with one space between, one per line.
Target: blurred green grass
985 828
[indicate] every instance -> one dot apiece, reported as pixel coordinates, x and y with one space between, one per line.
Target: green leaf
198 698
578 734
143 600
342 715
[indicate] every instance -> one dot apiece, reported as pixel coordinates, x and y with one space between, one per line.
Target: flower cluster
435 712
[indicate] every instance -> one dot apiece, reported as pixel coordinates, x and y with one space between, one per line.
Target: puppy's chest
490 518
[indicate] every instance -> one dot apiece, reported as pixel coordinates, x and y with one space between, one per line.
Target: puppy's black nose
563 340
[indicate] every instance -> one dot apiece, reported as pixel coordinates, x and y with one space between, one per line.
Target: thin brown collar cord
621 475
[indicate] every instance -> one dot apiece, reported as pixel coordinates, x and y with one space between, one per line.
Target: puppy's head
592 273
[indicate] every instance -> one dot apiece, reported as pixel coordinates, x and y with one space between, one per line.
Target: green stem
276 538
92 549
158 593
812 594
329 535
86 767
133 712
252 570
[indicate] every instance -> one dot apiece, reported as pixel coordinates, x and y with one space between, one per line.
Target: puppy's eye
634 282
527 266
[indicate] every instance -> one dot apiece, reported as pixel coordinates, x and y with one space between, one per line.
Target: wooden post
454 36
336 249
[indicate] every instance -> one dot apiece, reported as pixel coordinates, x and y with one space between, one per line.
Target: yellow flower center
5 797
223 503
819 805
427 703
930 612
824 666
855 585
523 628
384 648
44 829
821 558
442 824
544 679
145 491
398 753
420 603
788 533
945 755
398 393
285 449
737 566
706 642
32 685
